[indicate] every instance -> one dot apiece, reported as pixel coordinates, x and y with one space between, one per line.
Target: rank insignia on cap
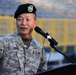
30 8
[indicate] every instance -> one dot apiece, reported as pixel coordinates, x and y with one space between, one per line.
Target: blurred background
57 17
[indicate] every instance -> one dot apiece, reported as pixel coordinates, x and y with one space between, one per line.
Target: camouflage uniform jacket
17 59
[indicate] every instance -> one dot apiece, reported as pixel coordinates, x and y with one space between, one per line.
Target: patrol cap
25 8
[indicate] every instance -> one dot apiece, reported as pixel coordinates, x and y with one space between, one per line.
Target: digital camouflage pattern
18 59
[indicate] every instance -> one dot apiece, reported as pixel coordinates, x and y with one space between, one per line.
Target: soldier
20 53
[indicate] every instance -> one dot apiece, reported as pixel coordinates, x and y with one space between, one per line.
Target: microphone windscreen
37 29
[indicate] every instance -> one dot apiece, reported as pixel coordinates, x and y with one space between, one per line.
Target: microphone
51 40
46 35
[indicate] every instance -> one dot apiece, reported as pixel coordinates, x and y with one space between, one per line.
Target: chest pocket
11 52
32 59
32 55
13 59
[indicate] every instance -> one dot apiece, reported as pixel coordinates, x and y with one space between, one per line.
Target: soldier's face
25 23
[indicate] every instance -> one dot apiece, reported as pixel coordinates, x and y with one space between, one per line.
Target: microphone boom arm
54 42
61 53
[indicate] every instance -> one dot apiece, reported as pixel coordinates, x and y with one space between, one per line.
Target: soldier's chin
23 33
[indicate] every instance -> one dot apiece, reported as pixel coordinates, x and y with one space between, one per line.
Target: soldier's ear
35 24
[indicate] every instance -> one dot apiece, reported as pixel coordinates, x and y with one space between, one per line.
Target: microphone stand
53 42
61 53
